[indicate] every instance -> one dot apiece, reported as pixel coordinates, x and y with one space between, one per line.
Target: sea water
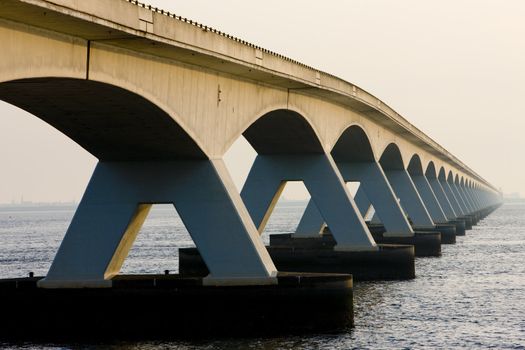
472 297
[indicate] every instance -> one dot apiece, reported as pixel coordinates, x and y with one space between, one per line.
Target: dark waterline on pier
471 297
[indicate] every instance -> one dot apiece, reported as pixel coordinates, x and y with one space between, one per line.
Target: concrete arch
353 145
251 119
450 177
283 131
391 158
431 171
415 166
108 121
442 174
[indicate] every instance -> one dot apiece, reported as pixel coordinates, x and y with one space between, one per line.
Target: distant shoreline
34 206
72 205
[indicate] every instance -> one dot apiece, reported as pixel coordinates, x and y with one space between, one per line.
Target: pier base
425 243
390 262
448 232
468 222
170 306
473 219
460 226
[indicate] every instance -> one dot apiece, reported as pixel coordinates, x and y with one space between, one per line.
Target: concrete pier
468 222
170 306
425 243
390 262
460 226
447 231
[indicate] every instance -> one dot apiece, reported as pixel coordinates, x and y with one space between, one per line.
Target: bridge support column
462 205
394 227
374 183
470 217
446 205
311 224
429 199
473 192
410 199
349 248
378 193
266 181
447 230
478 194
473 199
117 201
459 198
451 198
472 212
461 224
466 199
442 198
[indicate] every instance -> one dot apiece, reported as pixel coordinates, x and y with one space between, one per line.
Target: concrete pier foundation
460 226
473 219
170 306
425 243
447 231
390 262
468 221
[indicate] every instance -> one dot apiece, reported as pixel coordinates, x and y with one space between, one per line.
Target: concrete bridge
159 100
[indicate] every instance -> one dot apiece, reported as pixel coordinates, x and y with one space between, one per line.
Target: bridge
159 100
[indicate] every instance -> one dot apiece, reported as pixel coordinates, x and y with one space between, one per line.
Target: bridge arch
353 145
450 177
415 166
283 131
442 174
391 158
110 122
431 171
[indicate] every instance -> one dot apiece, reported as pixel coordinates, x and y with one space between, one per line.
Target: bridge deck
135 26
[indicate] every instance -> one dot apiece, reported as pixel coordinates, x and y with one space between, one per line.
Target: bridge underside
109 122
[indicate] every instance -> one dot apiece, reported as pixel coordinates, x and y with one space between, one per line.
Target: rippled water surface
471 297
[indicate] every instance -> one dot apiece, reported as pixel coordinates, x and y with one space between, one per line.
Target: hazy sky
455 69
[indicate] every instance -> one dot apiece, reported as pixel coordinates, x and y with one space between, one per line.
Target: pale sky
455 69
